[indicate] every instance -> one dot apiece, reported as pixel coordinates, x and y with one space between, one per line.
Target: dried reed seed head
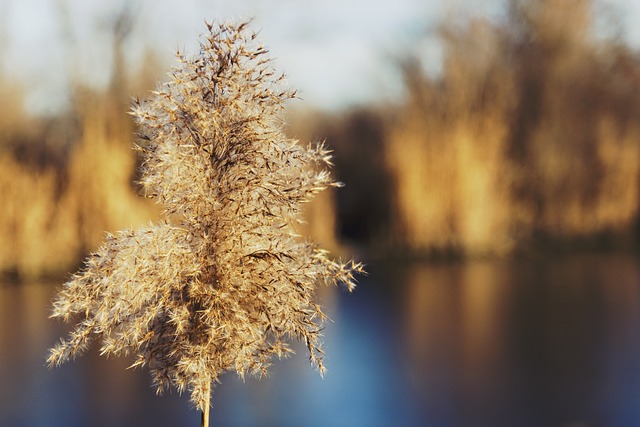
224 281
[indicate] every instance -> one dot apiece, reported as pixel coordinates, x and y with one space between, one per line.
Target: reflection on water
517 343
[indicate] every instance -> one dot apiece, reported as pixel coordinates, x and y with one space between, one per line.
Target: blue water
539 343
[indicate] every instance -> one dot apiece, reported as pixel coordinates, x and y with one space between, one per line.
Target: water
540 343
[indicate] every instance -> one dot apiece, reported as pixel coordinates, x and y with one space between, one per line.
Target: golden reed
223 280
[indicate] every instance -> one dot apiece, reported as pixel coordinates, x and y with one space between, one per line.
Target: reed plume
223 281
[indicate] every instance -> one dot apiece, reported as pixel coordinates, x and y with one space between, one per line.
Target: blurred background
491 155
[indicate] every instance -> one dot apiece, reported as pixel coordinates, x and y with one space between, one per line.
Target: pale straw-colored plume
223 282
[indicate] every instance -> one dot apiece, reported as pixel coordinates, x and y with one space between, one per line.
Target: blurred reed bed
528 139
64 181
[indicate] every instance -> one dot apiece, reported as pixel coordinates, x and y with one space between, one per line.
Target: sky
337 53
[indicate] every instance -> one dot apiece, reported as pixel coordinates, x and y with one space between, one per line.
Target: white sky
335 52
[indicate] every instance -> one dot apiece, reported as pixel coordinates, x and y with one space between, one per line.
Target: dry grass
224 280
56 206
527 136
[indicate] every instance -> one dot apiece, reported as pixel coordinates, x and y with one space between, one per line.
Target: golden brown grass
56 209
224 280
65 179
528 135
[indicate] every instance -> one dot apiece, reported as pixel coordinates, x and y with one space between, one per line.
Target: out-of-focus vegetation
528 139
64 182
66 179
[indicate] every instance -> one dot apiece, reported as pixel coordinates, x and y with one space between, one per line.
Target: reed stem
205 411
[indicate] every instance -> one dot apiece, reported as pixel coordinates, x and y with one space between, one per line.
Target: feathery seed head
224 280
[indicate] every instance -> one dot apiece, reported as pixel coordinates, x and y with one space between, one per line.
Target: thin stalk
205 410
